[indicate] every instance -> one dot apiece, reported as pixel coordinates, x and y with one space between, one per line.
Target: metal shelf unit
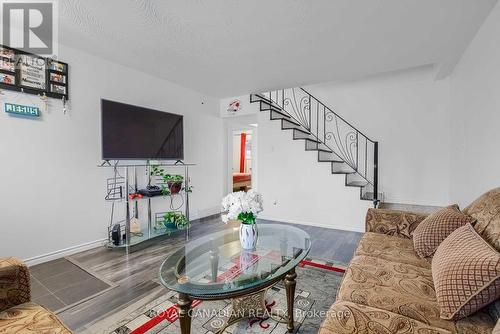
119 188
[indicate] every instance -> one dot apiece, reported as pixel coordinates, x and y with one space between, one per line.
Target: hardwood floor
136 275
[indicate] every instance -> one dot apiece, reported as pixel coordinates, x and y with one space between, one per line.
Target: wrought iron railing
330 131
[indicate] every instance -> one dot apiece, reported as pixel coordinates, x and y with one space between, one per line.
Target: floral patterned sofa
389 289
17 313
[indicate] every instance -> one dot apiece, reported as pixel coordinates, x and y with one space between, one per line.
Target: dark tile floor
60 283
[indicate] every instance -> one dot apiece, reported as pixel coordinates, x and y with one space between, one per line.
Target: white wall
52 195
407 112
475 115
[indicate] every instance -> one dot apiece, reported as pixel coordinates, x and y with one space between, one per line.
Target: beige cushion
436 227
486 210
466 273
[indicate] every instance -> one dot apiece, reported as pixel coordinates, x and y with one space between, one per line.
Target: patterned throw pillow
429 234
466 273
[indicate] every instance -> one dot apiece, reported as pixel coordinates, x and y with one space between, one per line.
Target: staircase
337 142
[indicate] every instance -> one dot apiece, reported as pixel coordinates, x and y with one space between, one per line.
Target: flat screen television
136 133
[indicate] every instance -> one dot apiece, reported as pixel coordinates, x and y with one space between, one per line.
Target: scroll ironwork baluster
324 124
366 156
310 121
357 150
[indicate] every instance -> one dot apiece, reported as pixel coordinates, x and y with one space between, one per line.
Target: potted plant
175 220
244 206
174 182
169 220
181 221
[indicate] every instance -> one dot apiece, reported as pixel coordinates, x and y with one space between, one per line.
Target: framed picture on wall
7 53
7 65
57 89
58 66
32 72
8 79
57 77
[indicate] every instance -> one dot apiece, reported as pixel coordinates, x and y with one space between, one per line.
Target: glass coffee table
215 267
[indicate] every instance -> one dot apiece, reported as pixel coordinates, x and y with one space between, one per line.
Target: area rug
317 285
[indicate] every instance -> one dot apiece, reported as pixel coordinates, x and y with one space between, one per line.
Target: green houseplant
174 182
173 220
181 221
169 220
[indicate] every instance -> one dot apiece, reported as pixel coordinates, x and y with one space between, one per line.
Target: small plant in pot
169 220
175 220
181 221
174 183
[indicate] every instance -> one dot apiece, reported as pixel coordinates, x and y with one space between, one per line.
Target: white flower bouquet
243 206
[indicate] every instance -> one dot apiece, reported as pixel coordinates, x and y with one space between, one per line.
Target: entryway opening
242 160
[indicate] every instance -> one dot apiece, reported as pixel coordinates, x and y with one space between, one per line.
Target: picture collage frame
33 74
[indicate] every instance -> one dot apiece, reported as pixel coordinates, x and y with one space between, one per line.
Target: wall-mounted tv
136 133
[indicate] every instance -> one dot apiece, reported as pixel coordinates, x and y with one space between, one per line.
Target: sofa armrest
393 222
15 285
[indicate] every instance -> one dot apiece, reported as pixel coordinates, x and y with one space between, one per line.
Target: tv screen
137 133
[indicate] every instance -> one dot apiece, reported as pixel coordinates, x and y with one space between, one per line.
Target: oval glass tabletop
216 265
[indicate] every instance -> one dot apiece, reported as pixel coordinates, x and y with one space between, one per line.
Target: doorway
242 160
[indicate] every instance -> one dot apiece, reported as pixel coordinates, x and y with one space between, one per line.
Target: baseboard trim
205 218
315 224
399 200
63 252
201 214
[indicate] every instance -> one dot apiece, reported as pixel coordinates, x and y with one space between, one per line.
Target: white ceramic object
248 236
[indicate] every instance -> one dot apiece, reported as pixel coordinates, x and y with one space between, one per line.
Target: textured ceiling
231 47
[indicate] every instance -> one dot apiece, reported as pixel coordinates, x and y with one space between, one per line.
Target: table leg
185 313
290 296
214 264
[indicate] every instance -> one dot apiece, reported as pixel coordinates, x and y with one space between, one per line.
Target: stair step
289 124
257 98
356 180
300 134
264 106
359 184
328 157
314 146
276 115
369 196
342 168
